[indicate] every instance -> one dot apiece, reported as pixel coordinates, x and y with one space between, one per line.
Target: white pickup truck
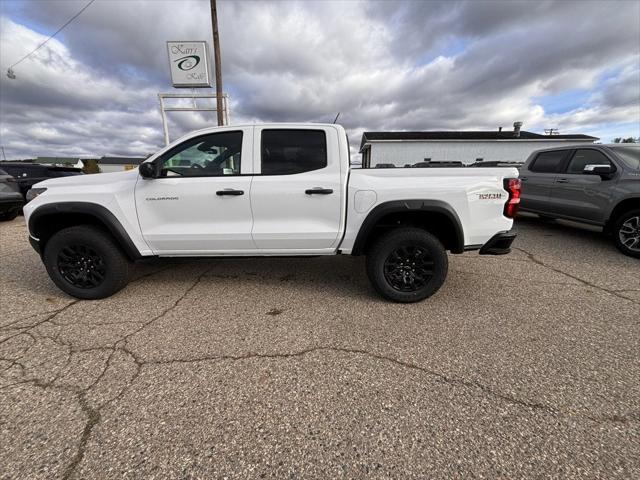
270 190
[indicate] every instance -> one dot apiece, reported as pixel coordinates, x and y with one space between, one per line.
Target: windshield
629 154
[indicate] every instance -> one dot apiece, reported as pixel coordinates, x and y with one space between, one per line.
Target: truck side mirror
147 170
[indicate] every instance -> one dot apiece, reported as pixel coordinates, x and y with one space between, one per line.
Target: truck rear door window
549 162
285 152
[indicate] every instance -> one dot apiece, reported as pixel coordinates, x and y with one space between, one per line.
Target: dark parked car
10 198
594 184
28 174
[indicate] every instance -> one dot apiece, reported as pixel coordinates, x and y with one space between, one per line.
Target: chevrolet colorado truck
270 190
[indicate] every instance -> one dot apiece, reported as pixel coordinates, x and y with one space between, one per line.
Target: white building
114 164
402 149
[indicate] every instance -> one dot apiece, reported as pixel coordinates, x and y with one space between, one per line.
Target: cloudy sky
412 65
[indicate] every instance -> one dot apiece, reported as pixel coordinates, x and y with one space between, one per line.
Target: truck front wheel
407 265
85 262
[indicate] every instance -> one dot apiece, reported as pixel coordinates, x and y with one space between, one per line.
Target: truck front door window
210 155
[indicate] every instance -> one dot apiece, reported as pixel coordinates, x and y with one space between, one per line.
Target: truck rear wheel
407 265
85 262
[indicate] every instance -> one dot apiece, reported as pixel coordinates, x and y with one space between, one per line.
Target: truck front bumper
499 244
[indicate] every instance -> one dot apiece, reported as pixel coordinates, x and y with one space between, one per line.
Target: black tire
626 228
85 262
392 276
8 216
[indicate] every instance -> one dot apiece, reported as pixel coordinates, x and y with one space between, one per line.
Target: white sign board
189 64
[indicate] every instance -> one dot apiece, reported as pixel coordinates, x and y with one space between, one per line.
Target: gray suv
595 184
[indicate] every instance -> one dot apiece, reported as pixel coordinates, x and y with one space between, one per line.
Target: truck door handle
562 180
524 179
318 190
230 191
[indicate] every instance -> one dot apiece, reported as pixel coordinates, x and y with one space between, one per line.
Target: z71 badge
489 196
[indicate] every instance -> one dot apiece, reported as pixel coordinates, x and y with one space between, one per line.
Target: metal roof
484 135
120 160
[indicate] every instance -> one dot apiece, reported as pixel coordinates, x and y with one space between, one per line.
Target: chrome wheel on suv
627 233
630 233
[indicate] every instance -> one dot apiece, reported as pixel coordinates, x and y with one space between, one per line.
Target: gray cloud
384 65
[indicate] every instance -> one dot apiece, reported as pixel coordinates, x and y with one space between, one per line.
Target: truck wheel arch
48 219
435 216
619 209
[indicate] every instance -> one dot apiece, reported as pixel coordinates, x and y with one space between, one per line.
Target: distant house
106 164
118 164
66 161
114 164
411 148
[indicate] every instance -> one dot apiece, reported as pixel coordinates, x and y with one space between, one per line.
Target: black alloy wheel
407 264
81 266
86 262
409 268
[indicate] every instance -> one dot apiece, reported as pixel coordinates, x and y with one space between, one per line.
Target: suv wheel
8 216
626 233
85 262
407 265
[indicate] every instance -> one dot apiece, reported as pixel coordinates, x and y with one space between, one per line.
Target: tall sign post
217 61
190 68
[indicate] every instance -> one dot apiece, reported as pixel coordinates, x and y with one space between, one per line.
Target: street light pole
217 62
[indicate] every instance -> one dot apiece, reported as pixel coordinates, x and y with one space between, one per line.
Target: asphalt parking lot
523 366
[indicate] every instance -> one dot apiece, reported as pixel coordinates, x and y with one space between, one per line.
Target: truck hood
90 179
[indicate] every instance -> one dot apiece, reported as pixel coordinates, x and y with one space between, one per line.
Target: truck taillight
513 187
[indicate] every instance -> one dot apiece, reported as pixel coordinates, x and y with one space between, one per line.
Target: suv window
212 155
548 162
629 155
586 157
285 152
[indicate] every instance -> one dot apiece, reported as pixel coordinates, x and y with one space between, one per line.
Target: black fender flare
395 206
99 212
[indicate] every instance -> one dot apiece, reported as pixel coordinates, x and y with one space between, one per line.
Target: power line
10 73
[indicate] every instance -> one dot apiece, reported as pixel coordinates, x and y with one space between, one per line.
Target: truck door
296 194
199 202
539 178
579 195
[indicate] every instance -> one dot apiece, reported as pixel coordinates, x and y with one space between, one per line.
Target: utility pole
217 62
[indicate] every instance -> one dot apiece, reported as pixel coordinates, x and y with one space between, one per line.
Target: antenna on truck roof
336 119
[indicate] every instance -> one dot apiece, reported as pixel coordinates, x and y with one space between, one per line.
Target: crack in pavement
73 302
489 391
537 261
93 414
168 309
517 279
25 329
93 418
